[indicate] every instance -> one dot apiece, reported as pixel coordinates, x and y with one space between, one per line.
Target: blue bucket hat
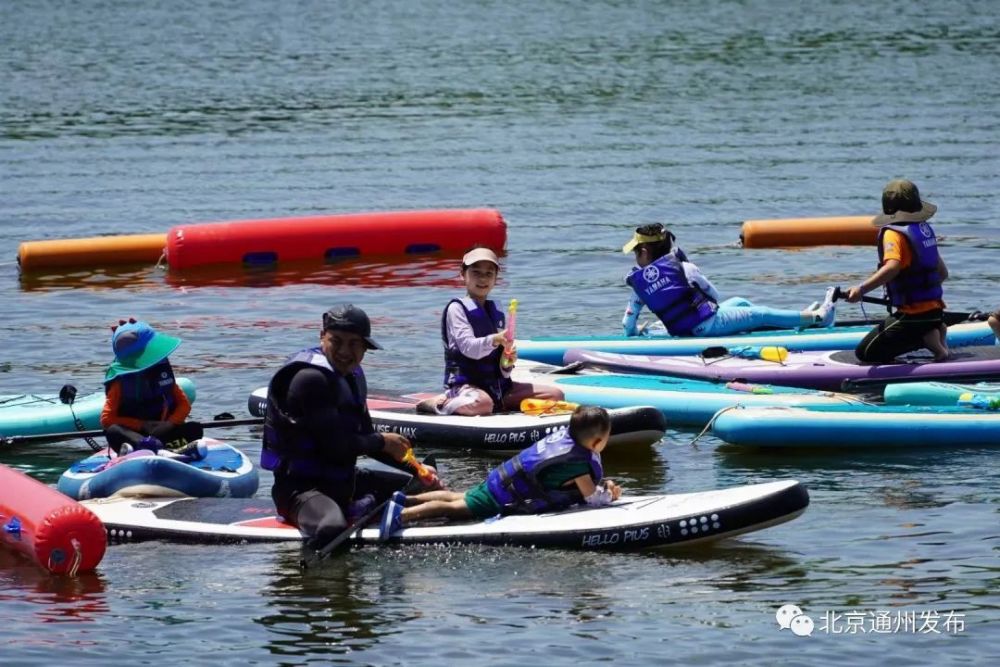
138 346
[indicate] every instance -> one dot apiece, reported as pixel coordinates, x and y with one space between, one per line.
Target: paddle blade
539 406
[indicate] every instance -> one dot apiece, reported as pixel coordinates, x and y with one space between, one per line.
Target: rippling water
577 121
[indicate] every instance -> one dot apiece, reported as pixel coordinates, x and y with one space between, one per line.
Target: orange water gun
426 475
544 406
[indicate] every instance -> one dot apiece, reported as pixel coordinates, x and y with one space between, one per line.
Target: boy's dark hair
588 422
659 248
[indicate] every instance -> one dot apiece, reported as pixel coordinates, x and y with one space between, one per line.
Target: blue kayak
864 426
684 402
550 350
34 414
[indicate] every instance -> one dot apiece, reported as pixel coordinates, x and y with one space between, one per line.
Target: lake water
578 121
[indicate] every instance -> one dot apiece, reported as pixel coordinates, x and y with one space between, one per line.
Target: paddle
69 435
949 318
413 484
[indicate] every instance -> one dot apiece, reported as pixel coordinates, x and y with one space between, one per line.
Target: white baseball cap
480 255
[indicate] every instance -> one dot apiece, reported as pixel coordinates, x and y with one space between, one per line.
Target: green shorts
481 502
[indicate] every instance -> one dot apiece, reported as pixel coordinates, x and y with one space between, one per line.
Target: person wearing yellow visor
688 304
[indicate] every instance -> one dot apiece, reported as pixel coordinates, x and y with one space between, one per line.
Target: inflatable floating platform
223 471
631 523
506 433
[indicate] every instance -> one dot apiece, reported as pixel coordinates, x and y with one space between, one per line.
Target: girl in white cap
474 331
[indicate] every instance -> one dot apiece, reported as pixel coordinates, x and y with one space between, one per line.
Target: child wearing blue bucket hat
144 408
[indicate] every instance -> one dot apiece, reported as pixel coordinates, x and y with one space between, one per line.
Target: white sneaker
825 315
828 299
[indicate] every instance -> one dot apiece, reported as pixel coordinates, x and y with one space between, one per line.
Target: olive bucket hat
901 203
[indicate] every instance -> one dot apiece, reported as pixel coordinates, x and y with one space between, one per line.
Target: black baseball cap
348 317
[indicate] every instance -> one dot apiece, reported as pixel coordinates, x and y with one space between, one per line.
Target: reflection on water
46 597
436 270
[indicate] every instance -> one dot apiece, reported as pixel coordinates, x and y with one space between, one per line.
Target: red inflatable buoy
327 238
53 530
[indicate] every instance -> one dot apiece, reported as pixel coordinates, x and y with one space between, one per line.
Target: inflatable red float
56 532
332 237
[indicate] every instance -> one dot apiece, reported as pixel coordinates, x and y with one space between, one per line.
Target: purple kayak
830 370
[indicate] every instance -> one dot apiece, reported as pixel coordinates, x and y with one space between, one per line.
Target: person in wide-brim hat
138 346
144 407
901 204
911 271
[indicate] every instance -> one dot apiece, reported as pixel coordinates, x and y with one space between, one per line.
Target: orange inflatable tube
89 252
330 237
799 232
55 531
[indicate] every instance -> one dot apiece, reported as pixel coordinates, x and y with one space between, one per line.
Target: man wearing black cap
317 425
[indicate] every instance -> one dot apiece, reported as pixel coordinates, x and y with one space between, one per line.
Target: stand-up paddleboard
550 350
223 471
811 370
504 433
868 427
937 393
682 401
631 523
34 414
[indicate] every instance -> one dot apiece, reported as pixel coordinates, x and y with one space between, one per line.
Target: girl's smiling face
480 279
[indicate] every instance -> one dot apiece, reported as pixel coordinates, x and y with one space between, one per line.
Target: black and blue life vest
665 290
920 281
287 448
483 373
148 394
515 484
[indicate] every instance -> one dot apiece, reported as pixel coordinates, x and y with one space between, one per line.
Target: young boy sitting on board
144 408
475 335
561 470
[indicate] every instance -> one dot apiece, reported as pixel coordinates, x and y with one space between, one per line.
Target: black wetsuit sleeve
315 401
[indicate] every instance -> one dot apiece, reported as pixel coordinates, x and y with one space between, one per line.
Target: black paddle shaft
949 318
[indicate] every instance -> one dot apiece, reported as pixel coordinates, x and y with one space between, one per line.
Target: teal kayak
550 350
863 426
936 393
34 414
684 402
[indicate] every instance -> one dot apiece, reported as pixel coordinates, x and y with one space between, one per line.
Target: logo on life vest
925 229
651 273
